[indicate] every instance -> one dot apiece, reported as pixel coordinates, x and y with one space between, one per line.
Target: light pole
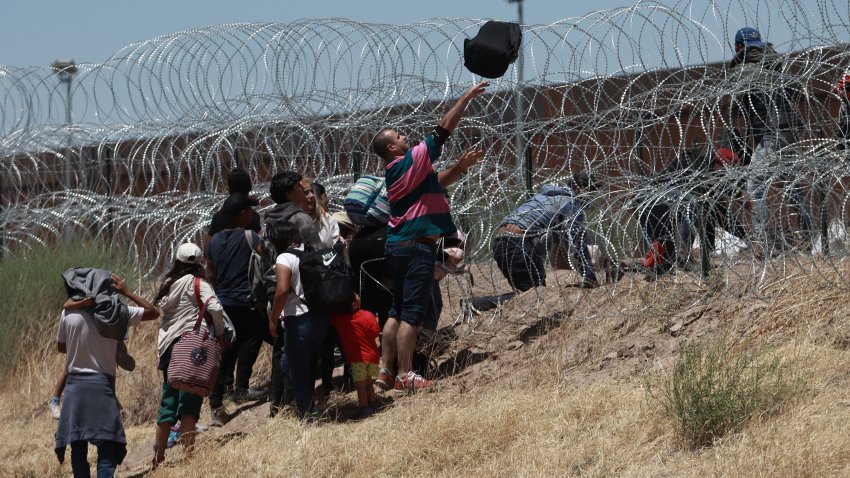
66 69
519 141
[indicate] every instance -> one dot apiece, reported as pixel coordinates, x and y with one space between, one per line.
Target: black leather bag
496 46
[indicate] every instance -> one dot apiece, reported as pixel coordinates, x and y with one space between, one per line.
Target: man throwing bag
419 216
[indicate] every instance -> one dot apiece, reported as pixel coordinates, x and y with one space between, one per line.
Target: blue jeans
435 308
110 454
521 261
281 386
303 337
411 269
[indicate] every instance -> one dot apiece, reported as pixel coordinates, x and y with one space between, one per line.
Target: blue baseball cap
749 36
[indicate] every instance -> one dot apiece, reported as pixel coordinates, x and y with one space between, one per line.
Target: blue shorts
411 267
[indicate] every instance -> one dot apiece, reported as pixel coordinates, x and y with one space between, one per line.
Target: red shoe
385 380
413 382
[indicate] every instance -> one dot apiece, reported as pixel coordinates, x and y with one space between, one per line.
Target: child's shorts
176 403
362 370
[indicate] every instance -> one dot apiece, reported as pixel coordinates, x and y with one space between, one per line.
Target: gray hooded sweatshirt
289 211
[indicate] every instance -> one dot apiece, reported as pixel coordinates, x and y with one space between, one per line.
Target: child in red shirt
358 331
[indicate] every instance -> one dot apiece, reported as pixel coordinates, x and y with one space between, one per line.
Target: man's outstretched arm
450 175
453 116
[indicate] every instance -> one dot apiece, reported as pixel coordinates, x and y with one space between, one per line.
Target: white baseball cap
189 253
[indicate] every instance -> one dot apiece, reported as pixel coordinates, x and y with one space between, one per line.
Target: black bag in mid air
496 46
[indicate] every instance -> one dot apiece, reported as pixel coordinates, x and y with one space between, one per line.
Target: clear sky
35 32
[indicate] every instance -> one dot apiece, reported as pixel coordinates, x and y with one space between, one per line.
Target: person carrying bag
196 357
189 346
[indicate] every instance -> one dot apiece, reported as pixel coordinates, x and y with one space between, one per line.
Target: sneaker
365 412
219 417
414 382
55 408
249 395
385 380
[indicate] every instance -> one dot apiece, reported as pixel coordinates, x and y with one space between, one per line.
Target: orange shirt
358 331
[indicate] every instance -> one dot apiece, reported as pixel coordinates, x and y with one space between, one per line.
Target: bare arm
71 304
450 175
453 116
151 312
281 296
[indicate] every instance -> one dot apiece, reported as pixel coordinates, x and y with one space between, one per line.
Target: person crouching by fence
89 336
181 295
519 241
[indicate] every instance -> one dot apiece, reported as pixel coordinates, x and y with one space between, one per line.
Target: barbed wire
620 94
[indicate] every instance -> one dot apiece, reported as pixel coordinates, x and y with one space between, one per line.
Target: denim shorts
411 267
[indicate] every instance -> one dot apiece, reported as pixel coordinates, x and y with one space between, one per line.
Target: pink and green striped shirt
418 204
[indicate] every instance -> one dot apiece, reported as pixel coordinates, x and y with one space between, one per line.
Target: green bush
713 390
32 292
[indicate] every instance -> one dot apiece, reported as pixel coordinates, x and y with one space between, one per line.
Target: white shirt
88 351
294 303
328 230
180 311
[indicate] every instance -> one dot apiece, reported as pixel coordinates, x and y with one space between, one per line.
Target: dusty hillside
550 384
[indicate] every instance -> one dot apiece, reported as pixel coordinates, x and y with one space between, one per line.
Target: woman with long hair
317 208
181 307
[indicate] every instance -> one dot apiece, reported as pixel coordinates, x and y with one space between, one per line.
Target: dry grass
606 429
568 403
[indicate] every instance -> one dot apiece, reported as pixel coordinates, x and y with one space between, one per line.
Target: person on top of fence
181 296
767 102
229 253
419 215
89 332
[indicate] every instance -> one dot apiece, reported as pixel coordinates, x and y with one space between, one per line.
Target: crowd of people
396 266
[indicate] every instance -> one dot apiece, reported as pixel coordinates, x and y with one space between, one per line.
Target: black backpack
496 46
326 278
262 278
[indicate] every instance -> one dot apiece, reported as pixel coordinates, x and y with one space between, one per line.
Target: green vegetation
713 390
33 292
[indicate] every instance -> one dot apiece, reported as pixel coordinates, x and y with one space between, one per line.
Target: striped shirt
418 204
